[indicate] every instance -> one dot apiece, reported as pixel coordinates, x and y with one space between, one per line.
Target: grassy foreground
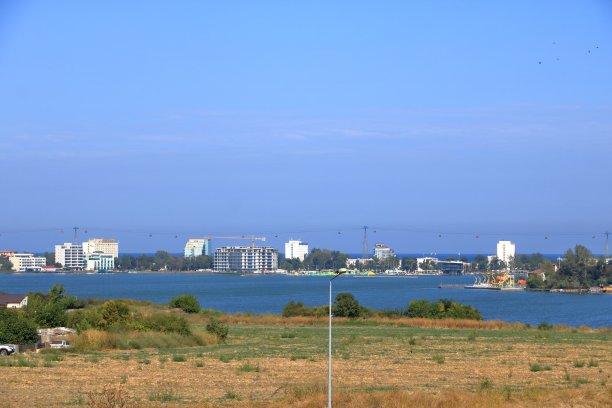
273 361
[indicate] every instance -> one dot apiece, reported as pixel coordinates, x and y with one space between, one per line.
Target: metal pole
329 362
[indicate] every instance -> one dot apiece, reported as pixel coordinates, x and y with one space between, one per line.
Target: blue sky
306 119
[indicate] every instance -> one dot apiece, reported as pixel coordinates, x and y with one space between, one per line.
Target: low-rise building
295 249
426 264
27 262
244 259
352 263
99 261
8 301
70 256
451 267
197 247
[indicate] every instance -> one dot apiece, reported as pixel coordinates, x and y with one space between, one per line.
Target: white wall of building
70 256
98 261
506 251
24 262
245 259
104 245
382 251
295 249
197 247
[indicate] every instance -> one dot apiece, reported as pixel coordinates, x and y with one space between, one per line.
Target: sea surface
269 293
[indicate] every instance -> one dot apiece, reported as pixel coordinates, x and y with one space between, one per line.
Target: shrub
115 311
438 358
15 328
535 367
545 326
217 328
346 305
188 303
167 323
292 309
442 309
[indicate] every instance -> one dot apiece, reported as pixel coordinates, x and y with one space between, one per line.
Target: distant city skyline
302 120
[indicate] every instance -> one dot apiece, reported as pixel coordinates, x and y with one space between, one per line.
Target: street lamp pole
329 362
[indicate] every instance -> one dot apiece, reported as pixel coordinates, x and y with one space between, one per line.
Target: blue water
269 293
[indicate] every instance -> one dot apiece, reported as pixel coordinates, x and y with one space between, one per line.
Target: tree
345 305
535 282
50 258
188 303
325 259
480 263
5 264
409 264
16 328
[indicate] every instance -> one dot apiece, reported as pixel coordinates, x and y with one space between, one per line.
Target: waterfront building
426 264
296 250
506 250
99 261
197 247
70 256
451 267
27 262
245 259
104 245
352 263
7 254
382 251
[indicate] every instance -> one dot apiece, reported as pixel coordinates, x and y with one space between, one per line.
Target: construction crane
251 238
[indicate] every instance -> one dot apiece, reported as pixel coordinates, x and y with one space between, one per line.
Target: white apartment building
70 256
197 247
245 259
99 261
382 251
295 249
27 262
104 245
506 250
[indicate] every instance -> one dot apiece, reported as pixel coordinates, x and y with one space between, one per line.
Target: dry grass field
280 362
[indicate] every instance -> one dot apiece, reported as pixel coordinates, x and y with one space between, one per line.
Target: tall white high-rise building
506 250
197 247
296 250
70 256
245 259
104 245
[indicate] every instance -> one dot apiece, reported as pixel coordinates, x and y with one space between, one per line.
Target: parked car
7 349
60 344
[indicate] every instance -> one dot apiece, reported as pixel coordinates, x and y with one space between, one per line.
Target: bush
115 311
346 305
299 309
442 309
188 303
15 328
167 323
217 328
